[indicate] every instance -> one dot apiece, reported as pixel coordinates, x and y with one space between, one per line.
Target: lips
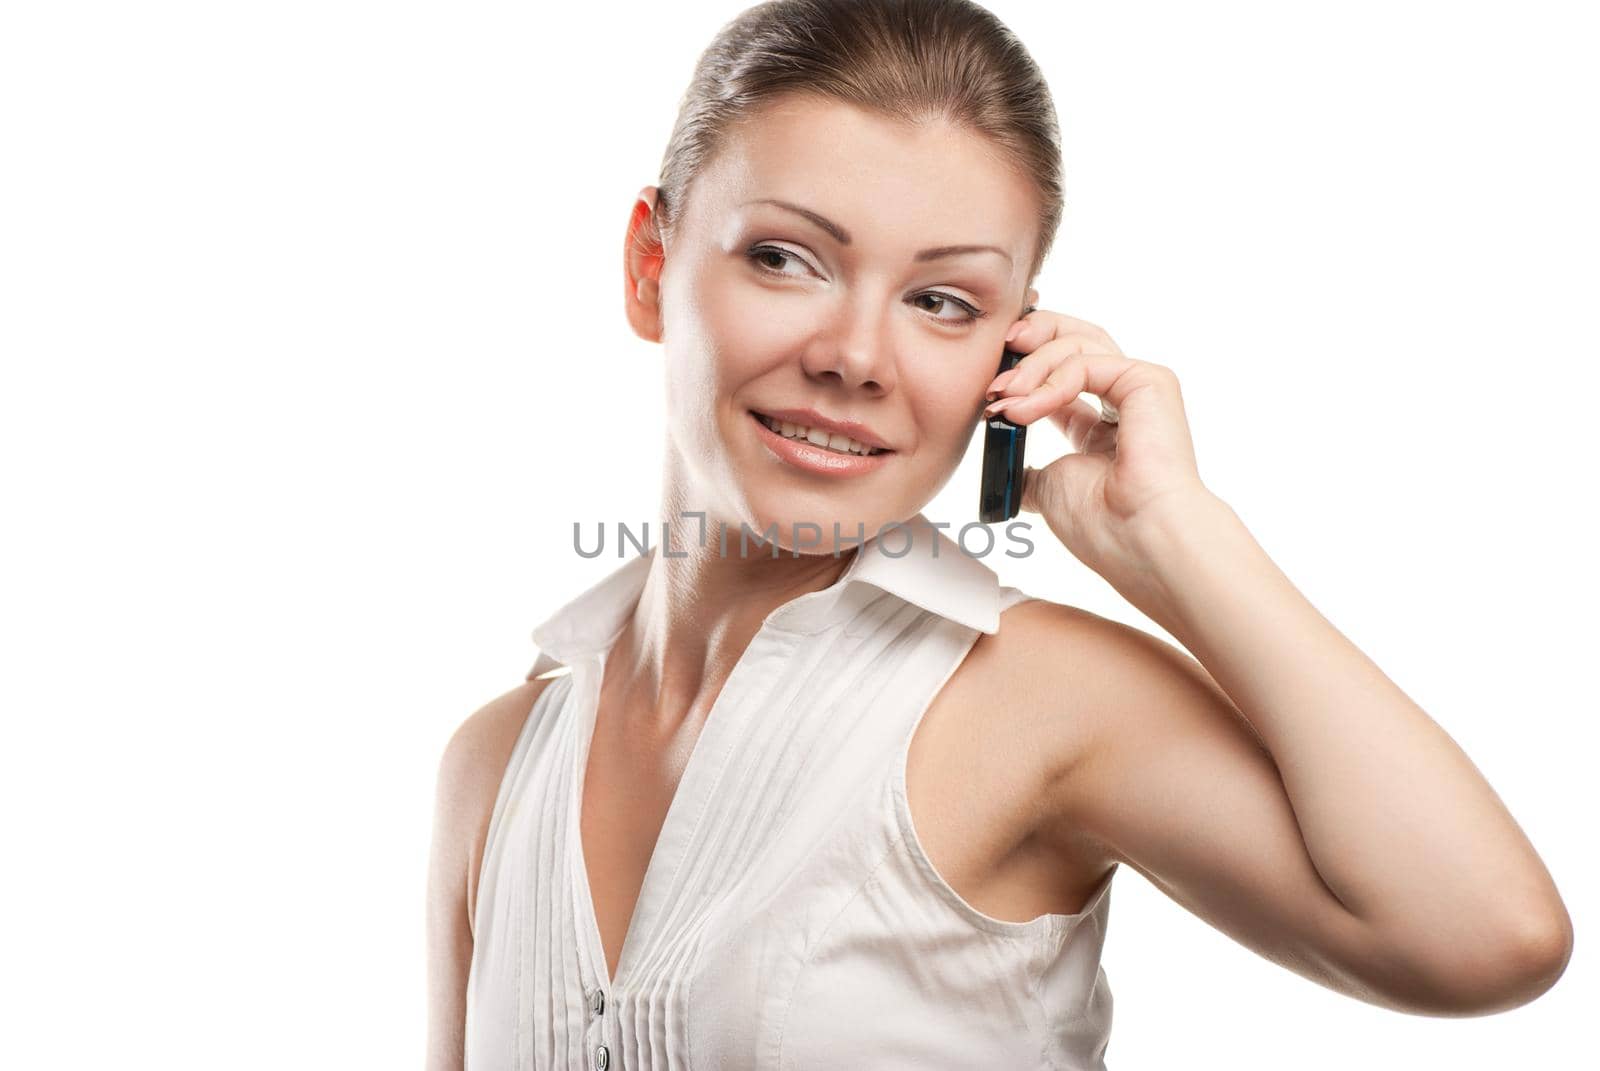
819 436
811 420
814 458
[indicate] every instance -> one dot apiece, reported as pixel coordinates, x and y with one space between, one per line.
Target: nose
857 352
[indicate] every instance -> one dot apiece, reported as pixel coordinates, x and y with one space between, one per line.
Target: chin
808 529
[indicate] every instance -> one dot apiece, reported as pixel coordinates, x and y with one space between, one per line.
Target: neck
698 611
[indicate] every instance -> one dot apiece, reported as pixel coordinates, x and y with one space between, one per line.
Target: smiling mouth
832 441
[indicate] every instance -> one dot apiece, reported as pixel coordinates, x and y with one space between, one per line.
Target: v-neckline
707 749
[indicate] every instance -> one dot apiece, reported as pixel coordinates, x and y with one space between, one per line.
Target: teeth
842 443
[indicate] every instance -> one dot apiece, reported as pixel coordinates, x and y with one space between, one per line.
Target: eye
757 255
973 314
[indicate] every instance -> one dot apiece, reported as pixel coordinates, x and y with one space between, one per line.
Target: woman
860 804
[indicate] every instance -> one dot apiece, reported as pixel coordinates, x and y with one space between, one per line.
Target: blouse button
597 1002
602 1058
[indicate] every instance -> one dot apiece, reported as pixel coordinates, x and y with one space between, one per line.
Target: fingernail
999 406
999 383
1016 329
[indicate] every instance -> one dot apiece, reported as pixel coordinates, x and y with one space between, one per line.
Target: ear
642 257
1033 299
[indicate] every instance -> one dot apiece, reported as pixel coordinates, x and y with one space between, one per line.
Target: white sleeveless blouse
789 917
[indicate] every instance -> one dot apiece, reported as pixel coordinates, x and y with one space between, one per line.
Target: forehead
874 175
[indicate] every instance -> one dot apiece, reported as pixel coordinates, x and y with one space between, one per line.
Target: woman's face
847 308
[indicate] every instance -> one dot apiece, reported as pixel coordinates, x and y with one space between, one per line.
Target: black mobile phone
1000 491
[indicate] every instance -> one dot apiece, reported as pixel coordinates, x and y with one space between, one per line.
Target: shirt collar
914 561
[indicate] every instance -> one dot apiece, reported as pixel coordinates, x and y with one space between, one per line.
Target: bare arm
474 761
1285 790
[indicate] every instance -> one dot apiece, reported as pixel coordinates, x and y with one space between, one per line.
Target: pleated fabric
789 917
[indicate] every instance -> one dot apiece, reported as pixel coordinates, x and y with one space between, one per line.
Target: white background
314 349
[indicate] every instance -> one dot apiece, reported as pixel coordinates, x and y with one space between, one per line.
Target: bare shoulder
470 771
1045 668
1083 671
1072 676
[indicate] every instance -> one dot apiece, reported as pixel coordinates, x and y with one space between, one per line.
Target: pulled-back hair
907 60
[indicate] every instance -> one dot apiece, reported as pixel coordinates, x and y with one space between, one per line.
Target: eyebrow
842 236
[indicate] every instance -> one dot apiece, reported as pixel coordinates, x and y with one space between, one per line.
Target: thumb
1033 490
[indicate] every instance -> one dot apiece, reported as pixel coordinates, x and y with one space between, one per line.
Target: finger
1112 378
1076 420
1037 365
1051 358
998 384
1101 438
1032 487
1106 415
1018 326
1047 399
1041 327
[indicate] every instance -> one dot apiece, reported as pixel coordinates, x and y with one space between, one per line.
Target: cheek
947 410
954 392
734 328
706 347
